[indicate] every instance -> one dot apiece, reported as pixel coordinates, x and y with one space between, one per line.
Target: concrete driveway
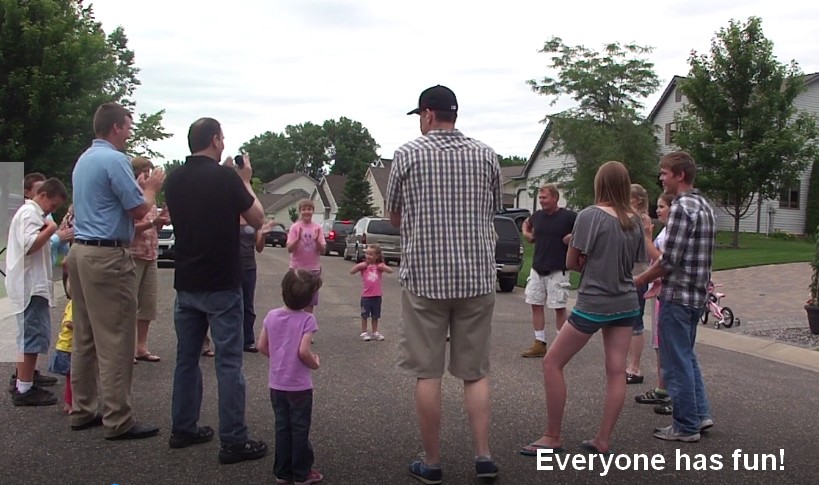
364 428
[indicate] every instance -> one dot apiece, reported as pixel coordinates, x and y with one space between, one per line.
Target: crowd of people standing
447 298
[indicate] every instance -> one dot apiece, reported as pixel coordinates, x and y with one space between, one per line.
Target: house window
789 198
677 95
670 131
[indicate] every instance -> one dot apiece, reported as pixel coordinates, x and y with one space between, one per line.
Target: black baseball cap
436 98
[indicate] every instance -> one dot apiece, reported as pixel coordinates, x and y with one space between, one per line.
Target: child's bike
723 315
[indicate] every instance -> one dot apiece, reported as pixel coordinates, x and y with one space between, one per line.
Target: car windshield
506 228
380 226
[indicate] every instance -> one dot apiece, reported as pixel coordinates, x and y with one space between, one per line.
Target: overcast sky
259 65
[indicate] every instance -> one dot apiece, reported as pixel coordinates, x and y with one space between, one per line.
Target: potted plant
812 306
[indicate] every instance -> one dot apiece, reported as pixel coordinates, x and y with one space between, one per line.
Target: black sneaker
486 469
182 440
35 396
652 397
236 452
39 380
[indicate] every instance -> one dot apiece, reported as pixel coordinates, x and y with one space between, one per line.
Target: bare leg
567 343
615 342
428 407
142 337
560 317
476 400
363 325
25 368
538 318
375 325
635 353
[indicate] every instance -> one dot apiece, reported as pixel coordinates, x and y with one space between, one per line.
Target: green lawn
754 250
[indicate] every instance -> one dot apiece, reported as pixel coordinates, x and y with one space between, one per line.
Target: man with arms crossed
205 200
685 268
550 228
107 200
446 183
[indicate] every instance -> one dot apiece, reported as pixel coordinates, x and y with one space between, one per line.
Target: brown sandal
207 353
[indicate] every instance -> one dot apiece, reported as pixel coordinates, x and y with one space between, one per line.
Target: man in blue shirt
107 200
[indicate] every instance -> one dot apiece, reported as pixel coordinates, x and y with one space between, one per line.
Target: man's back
448 190
205 200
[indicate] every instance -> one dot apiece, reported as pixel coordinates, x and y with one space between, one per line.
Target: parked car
517 215
276 237
166 243
508 252
374 230
335 233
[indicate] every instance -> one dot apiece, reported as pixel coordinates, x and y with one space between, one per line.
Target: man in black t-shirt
205 200
548 284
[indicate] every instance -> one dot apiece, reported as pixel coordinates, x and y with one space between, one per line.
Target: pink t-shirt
306 255
285 329
371 278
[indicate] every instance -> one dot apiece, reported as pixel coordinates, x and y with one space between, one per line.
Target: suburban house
284 192
509 177
522 187
787 213
377 176
327 197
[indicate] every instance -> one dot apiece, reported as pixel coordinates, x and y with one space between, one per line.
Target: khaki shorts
423 330
146 289
551 290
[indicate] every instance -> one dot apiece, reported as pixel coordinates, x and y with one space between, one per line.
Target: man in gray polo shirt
443 191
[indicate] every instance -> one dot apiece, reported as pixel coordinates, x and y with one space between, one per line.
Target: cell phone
239 161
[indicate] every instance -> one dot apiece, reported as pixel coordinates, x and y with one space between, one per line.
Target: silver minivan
373 230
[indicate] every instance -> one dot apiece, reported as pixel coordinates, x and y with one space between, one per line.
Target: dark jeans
193 314
294 453
248 296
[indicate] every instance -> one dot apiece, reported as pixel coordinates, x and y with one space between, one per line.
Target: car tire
507 283
358 257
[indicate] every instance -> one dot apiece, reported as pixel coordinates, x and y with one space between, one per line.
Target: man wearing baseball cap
446 182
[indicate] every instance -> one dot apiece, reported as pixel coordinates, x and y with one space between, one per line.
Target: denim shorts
34 327
371 307
60 363
591 327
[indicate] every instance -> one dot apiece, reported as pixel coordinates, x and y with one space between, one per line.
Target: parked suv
276 237
335 233
508 252
517 215
166 243
374 230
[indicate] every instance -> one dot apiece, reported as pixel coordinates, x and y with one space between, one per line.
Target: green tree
147 128
56 66
350 146
271 154
605 124
356 201
740 123
513 161
310 147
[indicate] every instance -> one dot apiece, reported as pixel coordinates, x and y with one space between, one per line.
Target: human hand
648 226
267 226
317 233
65 233
163 219
245 171
69 325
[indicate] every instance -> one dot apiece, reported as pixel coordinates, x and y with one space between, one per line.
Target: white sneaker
670 434
378 336
706 424
365 336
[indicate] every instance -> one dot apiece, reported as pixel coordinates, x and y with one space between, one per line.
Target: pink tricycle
723 315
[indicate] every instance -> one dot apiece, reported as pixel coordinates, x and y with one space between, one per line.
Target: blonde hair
379 255
639 193
307 203
613 186
139 164
552 189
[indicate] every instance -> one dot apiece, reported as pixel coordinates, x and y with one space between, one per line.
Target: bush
781 235
812 208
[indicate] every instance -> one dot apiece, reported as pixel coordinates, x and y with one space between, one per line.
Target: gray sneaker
670 434
706 424
36 396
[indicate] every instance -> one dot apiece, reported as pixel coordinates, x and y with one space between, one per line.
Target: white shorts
551 290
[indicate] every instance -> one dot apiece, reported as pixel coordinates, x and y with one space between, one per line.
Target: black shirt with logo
205 200
549 230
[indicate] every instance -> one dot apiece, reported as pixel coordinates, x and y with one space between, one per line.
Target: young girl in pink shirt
305 242
372 270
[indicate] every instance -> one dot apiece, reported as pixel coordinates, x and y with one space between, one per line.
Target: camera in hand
239 161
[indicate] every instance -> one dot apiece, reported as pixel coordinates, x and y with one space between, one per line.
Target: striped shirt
689 250
447 188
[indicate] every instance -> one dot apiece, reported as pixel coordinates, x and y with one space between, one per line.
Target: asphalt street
364 429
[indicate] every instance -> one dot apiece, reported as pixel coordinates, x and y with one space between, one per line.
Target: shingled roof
283 180
382 176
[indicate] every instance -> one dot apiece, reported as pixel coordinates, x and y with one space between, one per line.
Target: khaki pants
103 287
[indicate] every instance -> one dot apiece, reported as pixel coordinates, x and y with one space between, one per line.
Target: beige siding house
377 177
535 173
328 196
786 214
284 192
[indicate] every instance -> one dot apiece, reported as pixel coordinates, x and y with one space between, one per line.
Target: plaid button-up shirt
447 188
689 250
